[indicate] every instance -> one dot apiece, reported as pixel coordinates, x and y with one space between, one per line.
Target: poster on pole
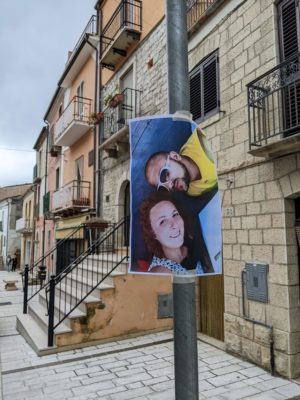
176 218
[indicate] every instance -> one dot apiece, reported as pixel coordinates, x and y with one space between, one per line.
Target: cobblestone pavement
136 368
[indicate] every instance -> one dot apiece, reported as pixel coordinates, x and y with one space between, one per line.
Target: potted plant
114 99
96 117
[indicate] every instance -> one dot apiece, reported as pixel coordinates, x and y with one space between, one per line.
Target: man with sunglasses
192 170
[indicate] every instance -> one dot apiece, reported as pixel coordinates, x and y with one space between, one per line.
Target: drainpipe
7 227
96 109
99 207
45 186
254 321
33 226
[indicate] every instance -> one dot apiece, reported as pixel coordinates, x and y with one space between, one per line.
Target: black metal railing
195 9
66 291
91 29
37 276
117 117
128 14
78 110
274 104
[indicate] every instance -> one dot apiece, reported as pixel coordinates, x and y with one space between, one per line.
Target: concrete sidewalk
136 368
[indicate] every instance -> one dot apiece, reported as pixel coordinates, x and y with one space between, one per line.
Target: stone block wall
257 193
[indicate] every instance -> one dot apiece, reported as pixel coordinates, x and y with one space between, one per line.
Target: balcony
273 110
81 52
116 121
72 198
24 225
74 122
197 12
121 32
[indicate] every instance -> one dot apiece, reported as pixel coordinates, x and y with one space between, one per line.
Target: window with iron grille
204 88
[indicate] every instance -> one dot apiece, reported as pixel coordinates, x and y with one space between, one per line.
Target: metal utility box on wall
165 306
257 282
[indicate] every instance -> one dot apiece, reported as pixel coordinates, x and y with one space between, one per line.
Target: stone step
62 306
71 292
105 262
87 283
34 334
38 311
34 325
93 275
114 256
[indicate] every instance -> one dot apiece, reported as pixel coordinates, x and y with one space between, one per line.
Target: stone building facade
259 194
151 82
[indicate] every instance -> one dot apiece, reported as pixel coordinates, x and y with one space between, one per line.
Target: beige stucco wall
118 317
65 161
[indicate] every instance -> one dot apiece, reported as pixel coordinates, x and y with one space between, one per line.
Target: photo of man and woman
175 203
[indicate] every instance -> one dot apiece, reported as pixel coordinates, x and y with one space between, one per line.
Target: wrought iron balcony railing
75 194
78 112
195 9
274 104
128 14
90 29
115 118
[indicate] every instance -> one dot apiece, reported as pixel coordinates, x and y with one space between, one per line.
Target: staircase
91 299
82 283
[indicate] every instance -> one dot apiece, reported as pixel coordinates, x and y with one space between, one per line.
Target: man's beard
181 184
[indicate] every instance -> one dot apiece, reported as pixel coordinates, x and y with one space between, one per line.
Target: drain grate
6 303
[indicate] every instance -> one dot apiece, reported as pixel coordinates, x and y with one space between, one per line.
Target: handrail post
25 288
51 311
127 235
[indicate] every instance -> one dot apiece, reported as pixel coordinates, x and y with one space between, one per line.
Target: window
289 40
204 88
79 176
289 20
60 110
91 158
57 176
79 100
79 169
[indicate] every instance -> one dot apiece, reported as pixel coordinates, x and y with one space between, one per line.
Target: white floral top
173 266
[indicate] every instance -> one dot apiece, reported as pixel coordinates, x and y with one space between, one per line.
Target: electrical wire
12 149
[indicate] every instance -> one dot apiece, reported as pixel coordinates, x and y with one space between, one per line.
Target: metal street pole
184 326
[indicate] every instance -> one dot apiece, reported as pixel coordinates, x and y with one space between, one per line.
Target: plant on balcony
96 118
114 99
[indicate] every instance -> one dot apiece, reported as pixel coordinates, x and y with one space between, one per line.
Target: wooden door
211 298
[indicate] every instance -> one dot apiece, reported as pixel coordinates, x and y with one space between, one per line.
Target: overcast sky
35 36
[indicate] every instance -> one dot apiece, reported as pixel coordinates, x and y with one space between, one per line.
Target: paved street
137 368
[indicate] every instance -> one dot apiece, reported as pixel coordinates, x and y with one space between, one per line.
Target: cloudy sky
35 36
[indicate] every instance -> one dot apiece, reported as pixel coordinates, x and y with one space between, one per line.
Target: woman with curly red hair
167 235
